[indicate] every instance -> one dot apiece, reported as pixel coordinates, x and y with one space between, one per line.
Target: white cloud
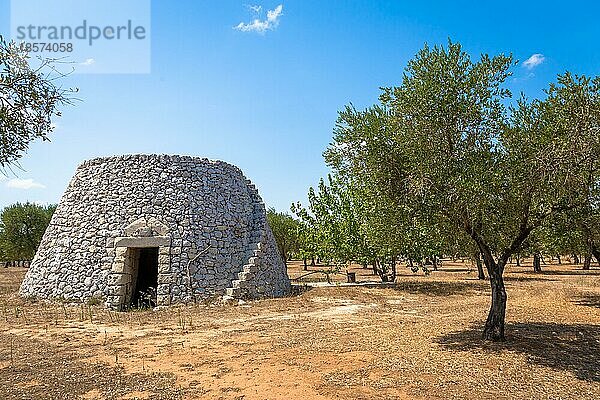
87 62
261 25
256 9
273 15
25 184
534 61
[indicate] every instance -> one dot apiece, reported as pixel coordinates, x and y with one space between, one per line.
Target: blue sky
267 101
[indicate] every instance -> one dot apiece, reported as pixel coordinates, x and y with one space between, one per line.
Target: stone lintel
154 241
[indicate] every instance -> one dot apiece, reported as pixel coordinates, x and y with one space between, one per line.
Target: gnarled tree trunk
587 261
596 253
480 273
494 325
537 267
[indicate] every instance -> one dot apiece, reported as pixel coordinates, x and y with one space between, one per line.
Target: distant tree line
22 226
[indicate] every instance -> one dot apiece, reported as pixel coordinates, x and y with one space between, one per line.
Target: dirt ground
417 340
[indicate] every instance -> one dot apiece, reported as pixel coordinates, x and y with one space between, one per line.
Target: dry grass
419 339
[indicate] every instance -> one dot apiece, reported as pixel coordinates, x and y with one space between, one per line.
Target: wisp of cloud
261 25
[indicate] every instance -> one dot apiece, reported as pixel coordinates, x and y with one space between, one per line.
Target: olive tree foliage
390 225
571 120
583 235
560 235
332 230
29 100
285 230
443 147
589 227
21 229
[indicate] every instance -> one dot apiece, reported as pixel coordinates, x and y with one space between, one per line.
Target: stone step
245 276
250 268
239 284
233 292
229 300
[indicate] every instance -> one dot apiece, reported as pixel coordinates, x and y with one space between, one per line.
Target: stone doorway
149 255
144 274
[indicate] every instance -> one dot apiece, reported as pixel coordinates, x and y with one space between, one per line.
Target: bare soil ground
417 340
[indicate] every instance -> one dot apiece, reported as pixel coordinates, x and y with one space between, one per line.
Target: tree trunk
494 325
304 259
381 271
393 269
312 262
575 259
536 263
558 259
481 274
435 264
596 254
587 261
518 257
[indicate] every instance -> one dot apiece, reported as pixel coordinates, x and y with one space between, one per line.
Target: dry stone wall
205 217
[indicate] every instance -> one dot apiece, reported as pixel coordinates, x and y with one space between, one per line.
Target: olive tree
285 230
448 149
333 224
21 229
29 100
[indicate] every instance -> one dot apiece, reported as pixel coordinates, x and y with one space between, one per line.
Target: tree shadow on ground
572 272
528 278
588 300
437 288
458 269
572 348
298 289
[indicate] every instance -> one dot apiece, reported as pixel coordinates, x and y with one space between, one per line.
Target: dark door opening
146 282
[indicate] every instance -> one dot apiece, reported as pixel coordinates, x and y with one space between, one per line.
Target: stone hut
156 230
